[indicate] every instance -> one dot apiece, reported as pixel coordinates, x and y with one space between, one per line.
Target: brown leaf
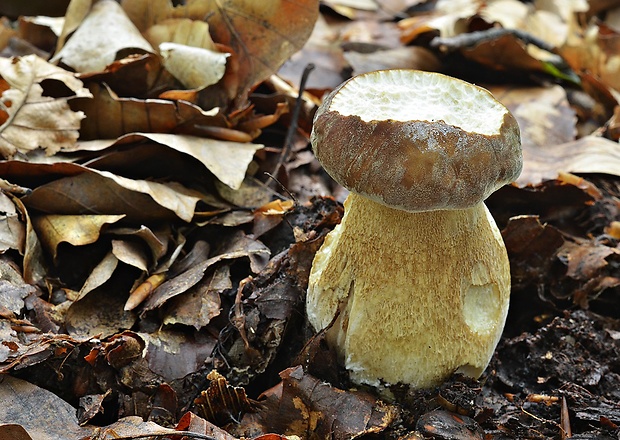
584 260
102 192
175 354
228 161
596 49
253 31
201 303
221 402
12 228
235 246
29 116
77 230
305 406
42 414
590 154
104 32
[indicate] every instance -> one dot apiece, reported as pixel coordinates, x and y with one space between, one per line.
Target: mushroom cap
417 141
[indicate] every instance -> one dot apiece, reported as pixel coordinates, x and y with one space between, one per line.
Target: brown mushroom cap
417 141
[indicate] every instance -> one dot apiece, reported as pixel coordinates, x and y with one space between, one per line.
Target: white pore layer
425 96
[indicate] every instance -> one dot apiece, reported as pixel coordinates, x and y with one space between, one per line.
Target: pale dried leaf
29 119
262 34
184 31
101 312
130 253
103 192
156 240
133 427
228 161
147 13
99 275
543 113
34 260
77 230
194 67
76 12
589 154
104 33
12 229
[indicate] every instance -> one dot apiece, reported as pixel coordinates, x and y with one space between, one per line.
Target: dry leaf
589 154
30 117
105 32
194 67
228 161
131 253
42 414
175 354
100 312
184 31
77 230
595 50
12 229
262 34
102 192
99 275
128 115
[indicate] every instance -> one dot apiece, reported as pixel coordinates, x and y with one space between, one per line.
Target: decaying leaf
194 67
222 403
105 193
33 116
12 228
77 230
174 354
304 406
42 414
228 161
104 33
262 35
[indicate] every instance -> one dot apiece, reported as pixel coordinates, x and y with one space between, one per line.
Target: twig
472 39
292 129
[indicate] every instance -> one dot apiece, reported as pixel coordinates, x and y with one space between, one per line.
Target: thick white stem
420 295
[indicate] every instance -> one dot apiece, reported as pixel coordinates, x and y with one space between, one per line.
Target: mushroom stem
421 294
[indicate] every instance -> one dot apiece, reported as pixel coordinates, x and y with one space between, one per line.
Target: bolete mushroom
417 272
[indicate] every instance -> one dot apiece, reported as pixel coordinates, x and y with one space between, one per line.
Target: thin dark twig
284 188
292 129
472 39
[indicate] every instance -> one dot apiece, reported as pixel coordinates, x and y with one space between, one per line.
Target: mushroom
414 283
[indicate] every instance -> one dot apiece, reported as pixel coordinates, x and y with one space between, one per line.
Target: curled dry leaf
41 413
262 34
194 67
109 116
12 228
77 230
102 192
104 33
32 117
305 406
194 33
227 160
